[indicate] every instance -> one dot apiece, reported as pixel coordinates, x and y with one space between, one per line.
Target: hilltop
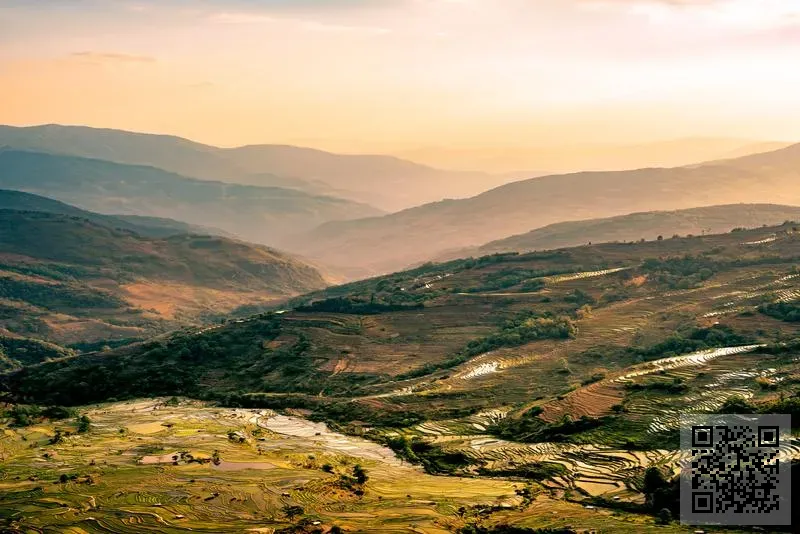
394 241
72 279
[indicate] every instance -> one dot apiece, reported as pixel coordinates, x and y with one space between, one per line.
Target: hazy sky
406 72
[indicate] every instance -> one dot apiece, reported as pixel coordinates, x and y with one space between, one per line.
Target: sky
358 74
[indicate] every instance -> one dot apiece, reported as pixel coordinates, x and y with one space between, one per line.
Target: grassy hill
71 279
636 226
259 214
397 240
383 181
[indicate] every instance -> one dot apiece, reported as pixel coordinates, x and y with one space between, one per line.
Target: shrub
785 311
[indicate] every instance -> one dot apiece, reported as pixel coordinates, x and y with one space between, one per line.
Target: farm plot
781 288
598 398
558 279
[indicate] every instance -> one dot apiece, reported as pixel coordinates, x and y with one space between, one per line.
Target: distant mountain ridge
394 241
387 182
384 181
258 214
560 159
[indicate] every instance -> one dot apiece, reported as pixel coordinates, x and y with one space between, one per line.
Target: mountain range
391 242
302 200
254 213
386 182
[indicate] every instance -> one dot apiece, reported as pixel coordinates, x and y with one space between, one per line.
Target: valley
399 267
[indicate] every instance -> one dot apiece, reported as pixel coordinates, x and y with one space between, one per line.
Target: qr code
735 469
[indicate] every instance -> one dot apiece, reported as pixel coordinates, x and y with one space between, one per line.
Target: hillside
258 214
17 352
359 338
394 241
559 373
387 182
148 226
70 279
636 226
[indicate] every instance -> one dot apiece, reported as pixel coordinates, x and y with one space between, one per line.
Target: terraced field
147 466
597 466
540 383
121 486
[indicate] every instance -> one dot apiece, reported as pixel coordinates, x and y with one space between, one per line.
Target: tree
360 474
292 511
653 480
736 405
57 438
83 424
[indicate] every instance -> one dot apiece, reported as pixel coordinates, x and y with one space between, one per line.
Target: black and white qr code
735 469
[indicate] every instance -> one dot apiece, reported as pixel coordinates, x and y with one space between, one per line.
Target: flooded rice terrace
320 435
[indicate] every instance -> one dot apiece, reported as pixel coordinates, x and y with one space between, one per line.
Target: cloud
113 57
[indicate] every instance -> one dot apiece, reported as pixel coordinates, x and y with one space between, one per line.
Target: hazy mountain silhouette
259 214
393 241
383 181
516 161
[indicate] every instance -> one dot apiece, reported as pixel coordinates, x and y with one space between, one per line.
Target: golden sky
403 73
